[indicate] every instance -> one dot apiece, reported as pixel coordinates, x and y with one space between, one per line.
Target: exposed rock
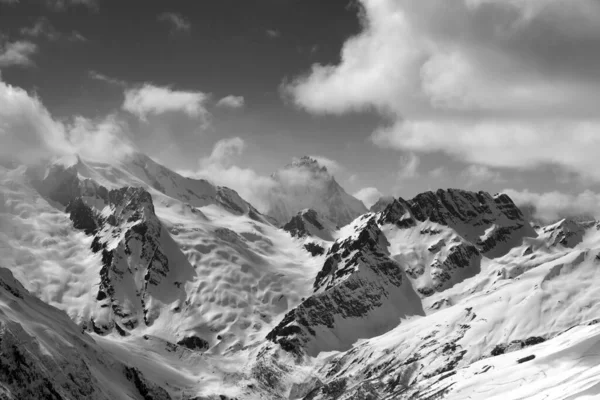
194 343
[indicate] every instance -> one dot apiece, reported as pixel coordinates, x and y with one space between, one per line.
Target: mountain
305 184
127 280
44 355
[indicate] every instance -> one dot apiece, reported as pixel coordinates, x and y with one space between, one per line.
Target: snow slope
43 354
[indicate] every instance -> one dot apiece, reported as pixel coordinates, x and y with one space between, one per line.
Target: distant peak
308 163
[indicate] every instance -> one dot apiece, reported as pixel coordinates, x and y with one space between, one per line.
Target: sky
396 97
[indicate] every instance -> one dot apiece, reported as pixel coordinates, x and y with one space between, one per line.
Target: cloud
231 102
273 33
177 22
477 174
42 28
551 206
368 196
332 166
28 131
219 167
62 5
499 83
101 77
17 53
501 143
225 152
409 165
437 173
155 100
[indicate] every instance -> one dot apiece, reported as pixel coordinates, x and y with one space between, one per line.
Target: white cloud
155 100
475 79
28 131
332 166
368 196
225 152
177 22
478 174
499 143
101 77
220 169
231 102
552 206
17 53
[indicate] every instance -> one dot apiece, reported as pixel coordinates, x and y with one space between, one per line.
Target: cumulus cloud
28 131
551 206
17 53
155 100
177 22
476 79
368 196
231 102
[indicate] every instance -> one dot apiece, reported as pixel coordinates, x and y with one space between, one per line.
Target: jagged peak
307 162
455 204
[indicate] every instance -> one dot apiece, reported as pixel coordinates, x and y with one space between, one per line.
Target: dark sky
227 50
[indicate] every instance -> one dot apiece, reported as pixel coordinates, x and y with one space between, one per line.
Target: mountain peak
305 183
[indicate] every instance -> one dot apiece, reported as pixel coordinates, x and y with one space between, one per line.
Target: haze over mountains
125 280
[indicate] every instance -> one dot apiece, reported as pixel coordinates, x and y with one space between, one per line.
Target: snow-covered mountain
129 281
305 184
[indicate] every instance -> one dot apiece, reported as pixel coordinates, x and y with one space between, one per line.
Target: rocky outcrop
360 292
566 232
128 238
492 223
307 223
297 225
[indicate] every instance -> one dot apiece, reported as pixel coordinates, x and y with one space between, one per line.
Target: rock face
493 223
360 292
136 258
307 223
305 184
